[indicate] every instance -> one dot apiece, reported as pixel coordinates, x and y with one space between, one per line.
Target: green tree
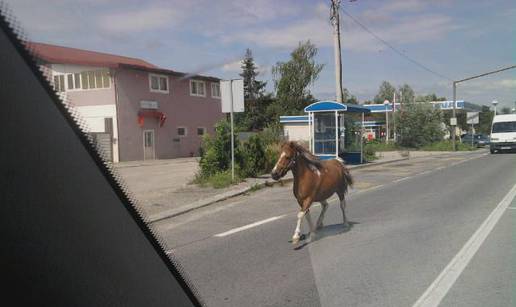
406 94
419 124
429 97
505 110
385 92
293 78
255 105
485 120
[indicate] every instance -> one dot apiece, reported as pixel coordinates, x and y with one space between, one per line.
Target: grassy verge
218 181
447 146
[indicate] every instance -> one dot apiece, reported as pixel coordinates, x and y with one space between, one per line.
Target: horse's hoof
295 240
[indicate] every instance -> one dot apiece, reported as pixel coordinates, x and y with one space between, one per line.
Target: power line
394 49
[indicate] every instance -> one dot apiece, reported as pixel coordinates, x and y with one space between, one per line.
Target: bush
369 152
418 125
216 150
447 146
217 180
271 156
252 157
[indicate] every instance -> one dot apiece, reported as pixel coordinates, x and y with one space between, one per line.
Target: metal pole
232 133
335 21
454 119
386 124
362 141
471 135
336 135
394 117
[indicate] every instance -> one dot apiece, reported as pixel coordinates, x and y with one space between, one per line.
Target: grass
447 146
218 181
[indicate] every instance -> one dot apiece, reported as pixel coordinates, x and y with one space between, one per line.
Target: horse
314 181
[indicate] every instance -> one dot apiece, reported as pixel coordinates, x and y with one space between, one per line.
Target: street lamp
386 103
494 104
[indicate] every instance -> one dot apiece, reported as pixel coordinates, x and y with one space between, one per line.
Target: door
148 145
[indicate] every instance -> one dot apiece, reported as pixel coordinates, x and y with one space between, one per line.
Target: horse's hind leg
343 208
310 224
324 205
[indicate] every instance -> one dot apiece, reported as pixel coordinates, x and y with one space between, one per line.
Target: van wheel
492 151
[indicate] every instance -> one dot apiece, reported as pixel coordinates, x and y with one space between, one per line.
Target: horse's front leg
304 210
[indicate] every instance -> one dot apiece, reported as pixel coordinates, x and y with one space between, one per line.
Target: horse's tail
348 180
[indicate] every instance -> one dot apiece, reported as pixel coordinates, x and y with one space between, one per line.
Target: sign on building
472 118
237 95
148 104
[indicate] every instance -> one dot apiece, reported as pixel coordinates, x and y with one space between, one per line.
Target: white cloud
140 20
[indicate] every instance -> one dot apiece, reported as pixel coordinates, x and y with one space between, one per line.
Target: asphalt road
410 220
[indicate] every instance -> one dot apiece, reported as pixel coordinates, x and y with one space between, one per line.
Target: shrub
216 150
252 154
447 146
271 156
369 152
418 125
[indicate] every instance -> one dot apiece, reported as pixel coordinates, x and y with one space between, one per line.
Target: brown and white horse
314 181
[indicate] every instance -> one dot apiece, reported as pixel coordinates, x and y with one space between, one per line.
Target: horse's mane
310 158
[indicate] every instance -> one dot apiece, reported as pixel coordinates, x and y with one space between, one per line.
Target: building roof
66 55
325 106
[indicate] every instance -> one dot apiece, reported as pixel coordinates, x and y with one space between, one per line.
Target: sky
456 39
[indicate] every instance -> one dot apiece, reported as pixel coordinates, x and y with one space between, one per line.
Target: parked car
479 140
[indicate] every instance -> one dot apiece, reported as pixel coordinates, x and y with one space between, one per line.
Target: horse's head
287 159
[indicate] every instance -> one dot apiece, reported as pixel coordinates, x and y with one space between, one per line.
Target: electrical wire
393 48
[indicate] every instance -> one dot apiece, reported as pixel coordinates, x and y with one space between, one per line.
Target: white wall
94 118
296 131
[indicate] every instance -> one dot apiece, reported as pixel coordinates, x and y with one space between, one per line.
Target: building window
197 88
215 90
181 131
158 83
92 79
73 81
59 83
201 131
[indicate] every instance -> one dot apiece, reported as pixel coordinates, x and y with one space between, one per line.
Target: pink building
134 109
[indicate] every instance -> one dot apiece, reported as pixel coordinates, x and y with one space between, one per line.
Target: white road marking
402 179
235 230
442 284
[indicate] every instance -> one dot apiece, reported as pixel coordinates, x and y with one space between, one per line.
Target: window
59 83
215 90
73 81
201 130
197 88
181 131
158 83
91 79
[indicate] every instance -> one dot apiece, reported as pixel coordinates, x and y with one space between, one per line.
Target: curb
224 196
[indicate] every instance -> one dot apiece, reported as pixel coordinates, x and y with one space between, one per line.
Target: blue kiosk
327 130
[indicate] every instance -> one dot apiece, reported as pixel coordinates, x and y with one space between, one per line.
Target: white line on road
443 283
402 179
235 230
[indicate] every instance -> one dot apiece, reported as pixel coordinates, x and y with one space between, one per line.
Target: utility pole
335 22
394 116
453 120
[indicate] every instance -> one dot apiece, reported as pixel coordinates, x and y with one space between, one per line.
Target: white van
503 133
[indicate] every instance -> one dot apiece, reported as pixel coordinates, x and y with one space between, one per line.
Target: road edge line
446 279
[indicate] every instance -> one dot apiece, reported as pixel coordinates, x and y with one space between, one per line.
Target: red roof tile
66 55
